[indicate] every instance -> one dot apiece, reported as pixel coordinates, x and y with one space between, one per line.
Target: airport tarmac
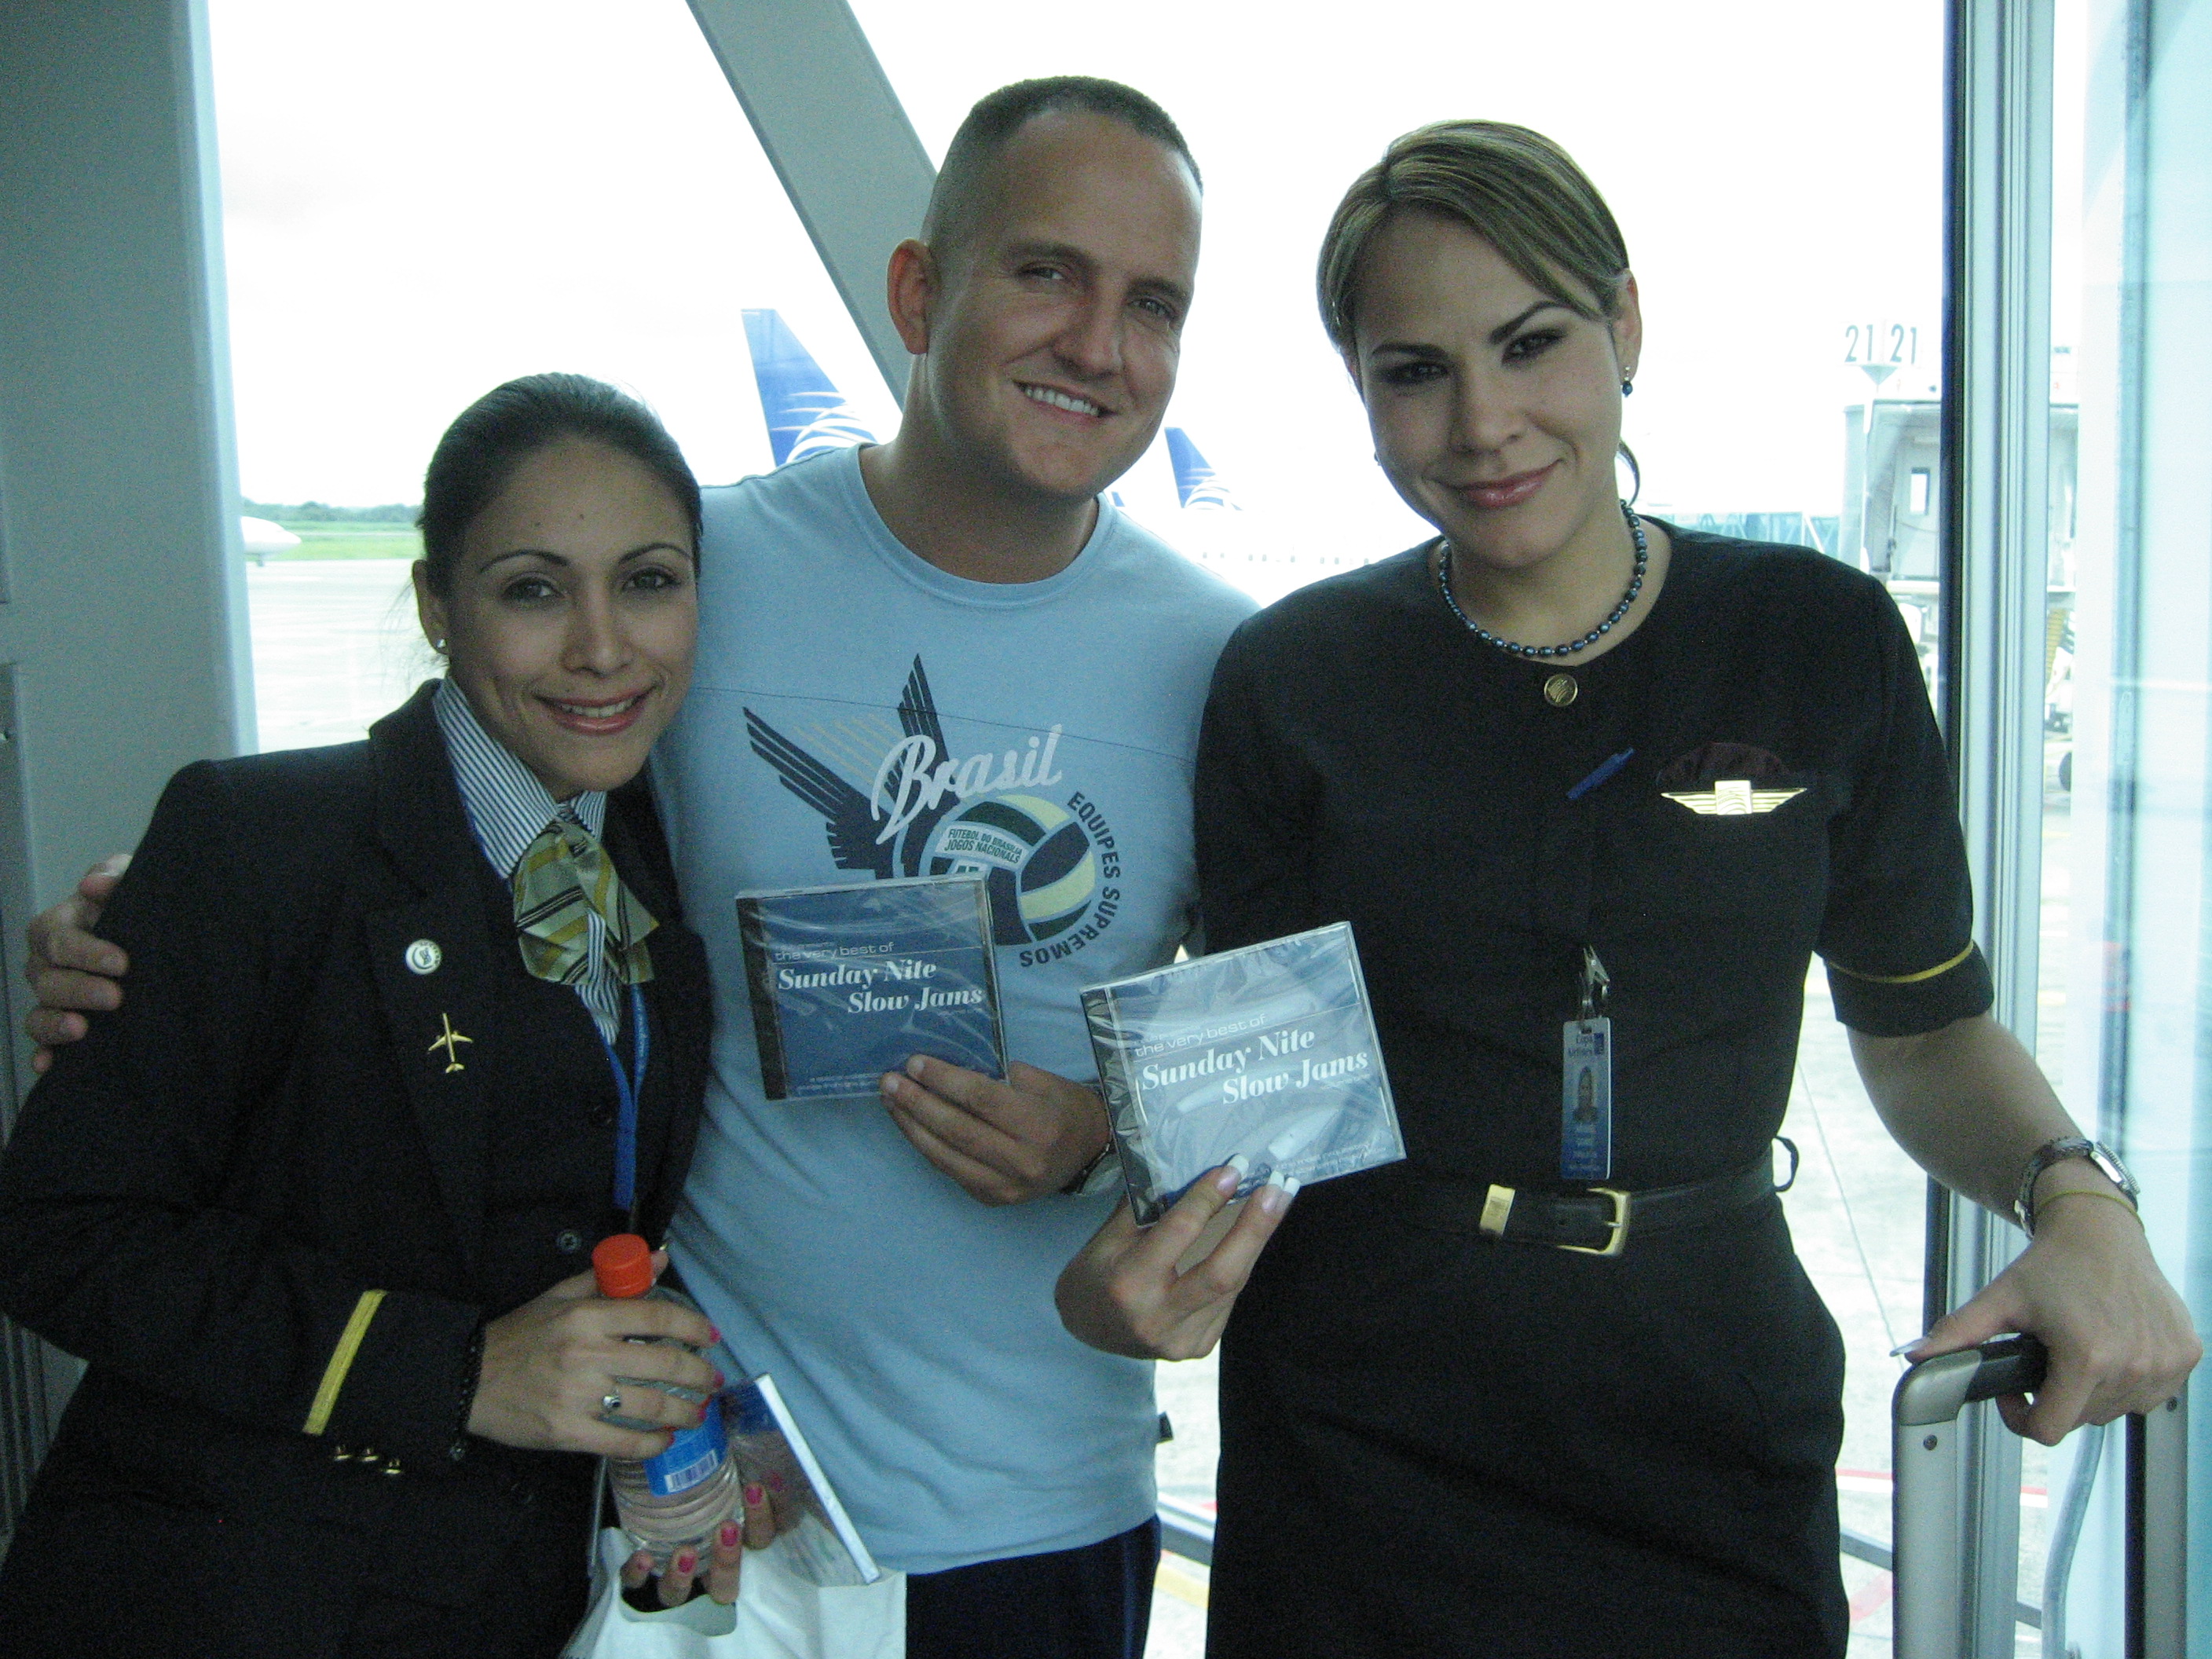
335 646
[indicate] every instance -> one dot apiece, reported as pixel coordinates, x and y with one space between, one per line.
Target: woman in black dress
411 1024
1556 1384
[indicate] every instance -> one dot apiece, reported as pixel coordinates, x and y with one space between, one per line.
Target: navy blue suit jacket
202 1198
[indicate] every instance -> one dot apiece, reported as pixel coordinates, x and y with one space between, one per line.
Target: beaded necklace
1513 646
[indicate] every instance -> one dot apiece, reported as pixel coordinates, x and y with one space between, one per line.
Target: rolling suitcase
1926 1525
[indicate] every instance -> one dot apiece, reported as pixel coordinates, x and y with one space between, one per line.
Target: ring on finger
610 1403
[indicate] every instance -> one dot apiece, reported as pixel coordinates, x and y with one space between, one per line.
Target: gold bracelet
2089 1192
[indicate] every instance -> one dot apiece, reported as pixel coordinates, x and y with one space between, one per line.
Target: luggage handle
1936 1390
1927 1525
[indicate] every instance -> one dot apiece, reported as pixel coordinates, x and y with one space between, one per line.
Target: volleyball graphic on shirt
906 802
1036 858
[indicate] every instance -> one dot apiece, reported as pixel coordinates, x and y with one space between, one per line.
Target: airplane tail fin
807 414
1196 483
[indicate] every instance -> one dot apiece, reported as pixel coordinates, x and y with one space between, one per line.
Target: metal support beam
1996 427
838 138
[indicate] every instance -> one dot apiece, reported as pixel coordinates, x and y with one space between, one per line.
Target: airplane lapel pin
450 1042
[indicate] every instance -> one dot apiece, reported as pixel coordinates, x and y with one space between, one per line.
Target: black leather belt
1596 1221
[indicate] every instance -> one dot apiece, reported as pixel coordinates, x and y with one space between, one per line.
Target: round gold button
1560 690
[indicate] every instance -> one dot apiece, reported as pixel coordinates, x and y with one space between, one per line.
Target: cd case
849 982
1270 1051
819 1541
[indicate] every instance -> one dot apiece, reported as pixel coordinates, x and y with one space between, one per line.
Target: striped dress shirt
508 808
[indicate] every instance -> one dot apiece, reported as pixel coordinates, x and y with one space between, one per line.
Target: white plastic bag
778 1615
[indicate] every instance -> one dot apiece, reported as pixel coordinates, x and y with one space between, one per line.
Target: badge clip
1597 985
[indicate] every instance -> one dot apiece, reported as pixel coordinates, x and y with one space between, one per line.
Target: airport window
549 186
2127 798
1780 397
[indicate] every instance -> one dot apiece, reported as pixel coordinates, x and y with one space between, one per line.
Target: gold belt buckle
1496 1205
1618 1222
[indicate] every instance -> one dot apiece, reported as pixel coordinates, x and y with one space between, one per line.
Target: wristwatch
1095 1176
2101 1158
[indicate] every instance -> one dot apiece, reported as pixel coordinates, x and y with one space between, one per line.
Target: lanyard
628 1086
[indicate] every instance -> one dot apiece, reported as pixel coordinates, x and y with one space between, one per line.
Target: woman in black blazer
317 1203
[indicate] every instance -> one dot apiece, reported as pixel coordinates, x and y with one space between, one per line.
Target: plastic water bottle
684 1495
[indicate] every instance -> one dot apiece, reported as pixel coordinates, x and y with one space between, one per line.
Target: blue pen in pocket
1604 769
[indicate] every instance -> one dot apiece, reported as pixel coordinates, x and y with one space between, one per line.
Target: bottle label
693 1456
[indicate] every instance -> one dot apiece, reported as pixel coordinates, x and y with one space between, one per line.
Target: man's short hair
962 184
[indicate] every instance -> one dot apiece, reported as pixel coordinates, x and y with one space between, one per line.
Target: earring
437 645
1627 386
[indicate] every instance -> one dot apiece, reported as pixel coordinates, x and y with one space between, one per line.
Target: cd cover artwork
1270 1051
849 983
819 1541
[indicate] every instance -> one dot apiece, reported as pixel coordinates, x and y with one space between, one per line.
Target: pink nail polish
686 1561
755 1496
715 1331
775 1481
720 1382
730 1534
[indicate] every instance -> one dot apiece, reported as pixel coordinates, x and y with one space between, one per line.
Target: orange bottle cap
623 1262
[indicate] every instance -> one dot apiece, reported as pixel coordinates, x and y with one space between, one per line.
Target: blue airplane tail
806 415
1196 482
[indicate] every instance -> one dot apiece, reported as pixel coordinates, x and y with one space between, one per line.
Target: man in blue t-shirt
949 648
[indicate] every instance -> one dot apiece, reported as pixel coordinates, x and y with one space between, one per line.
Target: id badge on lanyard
1586 1077
628 1086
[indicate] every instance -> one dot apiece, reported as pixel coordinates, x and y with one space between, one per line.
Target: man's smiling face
1057 327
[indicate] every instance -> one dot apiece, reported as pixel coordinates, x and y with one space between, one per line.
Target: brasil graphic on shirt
906 804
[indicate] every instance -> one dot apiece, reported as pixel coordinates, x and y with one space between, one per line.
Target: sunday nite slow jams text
1244 1082
902 981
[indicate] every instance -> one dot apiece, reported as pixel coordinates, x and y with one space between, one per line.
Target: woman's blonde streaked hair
1514 188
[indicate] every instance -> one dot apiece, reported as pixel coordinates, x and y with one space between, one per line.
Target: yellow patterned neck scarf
564 876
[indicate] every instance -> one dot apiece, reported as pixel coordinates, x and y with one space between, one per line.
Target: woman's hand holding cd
1130 1292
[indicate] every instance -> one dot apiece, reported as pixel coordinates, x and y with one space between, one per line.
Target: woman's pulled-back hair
1515 189
510 423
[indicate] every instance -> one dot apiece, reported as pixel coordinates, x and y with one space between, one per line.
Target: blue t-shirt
856 713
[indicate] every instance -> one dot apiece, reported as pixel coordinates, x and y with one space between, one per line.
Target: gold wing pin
1732 797
449 1042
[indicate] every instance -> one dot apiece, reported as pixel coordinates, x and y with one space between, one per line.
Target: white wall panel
122 617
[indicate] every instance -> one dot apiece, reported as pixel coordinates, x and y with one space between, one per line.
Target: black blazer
201 1198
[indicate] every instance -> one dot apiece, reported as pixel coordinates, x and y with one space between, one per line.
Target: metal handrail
1186 1530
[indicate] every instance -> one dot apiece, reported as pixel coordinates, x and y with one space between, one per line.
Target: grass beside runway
351 541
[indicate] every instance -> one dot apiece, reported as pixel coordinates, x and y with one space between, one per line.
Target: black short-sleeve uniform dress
1436 1442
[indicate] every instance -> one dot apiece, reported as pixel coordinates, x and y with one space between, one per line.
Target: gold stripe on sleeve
334 1374
1908 979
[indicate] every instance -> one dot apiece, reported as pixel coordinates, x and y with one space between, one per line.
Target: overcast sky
427 196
